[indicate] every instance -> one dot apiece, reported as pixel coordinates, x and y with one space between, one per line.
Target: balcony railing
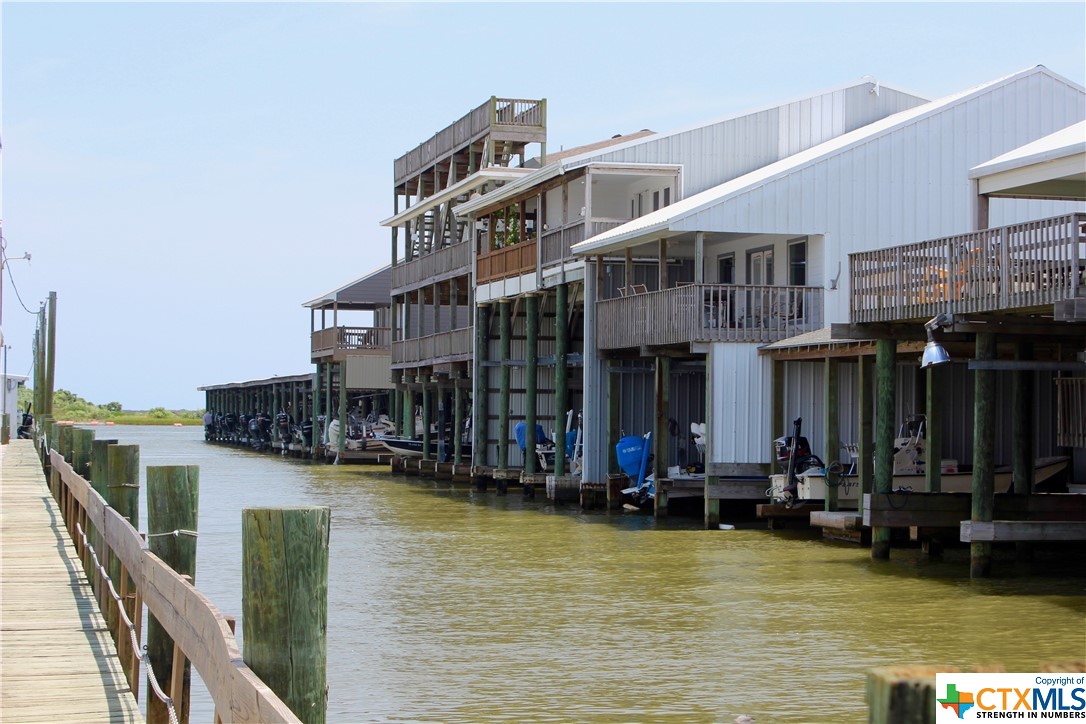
433 347
329 342
436 266
509 261
1022 266
708 313
510 113
557 243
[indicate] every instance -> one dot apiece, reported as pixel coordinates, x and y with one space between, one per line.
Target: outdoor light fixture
935 353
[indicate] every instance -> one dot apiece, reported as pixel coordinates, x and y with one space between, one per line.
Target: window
760 266
667 196
725 269
655 200
797 262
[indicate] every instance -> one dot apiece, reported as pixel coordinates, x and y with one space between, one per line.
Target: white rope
133 640
174 533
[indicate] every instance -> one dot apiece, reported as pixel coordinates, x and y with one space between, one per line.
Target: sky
186 176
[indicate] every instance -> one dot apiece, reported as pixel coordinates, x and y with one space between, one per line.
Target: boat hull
411 448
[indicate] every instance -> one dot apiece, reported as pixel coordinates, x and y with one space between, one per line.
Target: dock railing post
123 495
173 493
284 601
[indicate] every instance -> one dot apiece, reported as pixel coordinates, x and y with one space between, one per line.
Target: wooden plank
947 510
1022 530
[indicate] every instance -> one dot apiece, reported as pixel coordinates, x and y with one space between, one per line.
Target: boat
410 447
910 464
634 455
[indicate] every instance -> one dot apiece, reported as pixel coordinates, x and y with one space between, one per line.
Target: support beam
341 443
561 374
315 434
458 424
663 264
1023 435
885 413
933 428
984 411
531 376
427 418
504 334
480 410
712 504
660 433
832 425
51 354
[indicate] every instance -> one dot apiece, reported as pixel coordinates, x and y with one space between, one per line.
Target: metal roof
1066 142
658 224
278 380
372 291
464 186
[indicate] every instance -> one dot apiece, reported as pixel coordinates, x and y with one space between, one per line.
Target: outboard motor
307 432
254 432
26 425
794 456
282 423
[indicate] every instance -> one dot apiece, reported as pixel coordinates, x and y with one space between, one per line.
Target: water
453 605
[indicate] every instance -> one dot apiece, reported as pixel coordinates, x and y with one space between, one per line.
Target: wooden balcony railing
558 242
433 347
1071 411
1022 266
509 261
708 313
325 342
511 113
436 266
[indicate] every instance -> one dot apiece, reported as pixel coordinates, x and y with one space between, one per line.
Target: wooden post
314 440
1023 449
51 355
82 441
663 264
984 410
458 422
660 433
284 601
712 504
480 407
427 419
328 367
933 430
123 495
561 374
531 376
64 442
864 462
832 424
885 369
342 412
628 271
614 418
504 333
173 493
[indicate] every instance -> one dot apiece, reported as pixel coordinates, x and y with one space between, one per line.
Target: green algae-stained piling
64 441
531 373
561 374
123 495
504 334
831 424
984 412
82 441
885 368
284 602
173 493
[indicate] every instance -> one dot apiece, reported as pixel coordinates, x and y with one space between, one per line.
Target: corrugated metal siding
742 404
907 185
718 152
637 404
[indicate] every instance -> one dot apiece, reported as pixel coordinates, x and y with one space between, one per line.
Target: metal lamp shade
934 354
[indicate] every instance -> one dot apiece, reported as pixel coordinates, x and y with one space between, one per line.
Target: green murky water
454 605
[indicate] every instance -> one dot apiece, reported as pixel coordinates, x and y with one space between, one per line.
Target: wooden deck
58 661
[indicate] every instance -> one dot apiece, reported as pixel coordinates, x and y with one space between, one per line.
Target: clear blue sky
186 175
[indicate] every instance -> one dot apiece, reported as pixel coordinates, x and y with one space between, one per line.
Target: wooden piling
832 425
458 424
885 381
660 433
64 441
984 411
173 493
341 445
864 462
1023 448
933 429
504 333
51 355
82 442
427 420
531 376
284 602
561 375
315 435
123 495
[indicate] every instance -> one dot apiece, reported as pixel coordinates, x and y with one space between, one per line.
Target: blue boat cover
521 434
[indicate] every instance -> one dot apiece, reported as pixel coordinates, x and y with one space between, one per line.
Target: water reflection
449 604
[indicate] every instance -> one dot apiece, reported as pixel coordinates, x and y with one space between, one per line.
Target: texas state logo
973 697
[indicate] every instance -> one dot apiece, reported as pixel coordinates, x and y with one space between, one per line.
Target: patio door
760 267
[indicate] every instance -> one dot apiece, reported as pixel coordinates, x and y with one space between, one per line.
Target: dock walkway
57 660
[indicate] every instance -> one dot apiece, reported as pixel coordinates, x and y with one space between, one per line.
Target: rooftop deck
506 118
1028 266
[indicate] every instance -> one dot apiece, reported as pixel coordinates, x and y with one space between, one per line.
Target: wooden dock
59 662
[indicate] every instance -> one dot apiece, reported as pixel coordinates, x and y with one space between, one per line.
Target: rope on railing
174 533
143 656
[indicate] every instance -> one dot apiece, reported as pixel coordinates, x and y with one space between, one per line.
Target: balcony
558 242
509 261
338 343
510 118
708 313
437 266
1026 266
433 348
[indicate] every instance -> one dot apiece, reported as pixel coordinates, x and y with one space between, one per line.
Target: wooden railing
198 628
1071 411
558 242
508 112
324 342
708 313
438 265
433 346
509 261
1022 266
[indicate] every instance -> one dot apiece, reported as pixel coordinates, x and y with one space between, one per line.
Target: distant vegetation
70 406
